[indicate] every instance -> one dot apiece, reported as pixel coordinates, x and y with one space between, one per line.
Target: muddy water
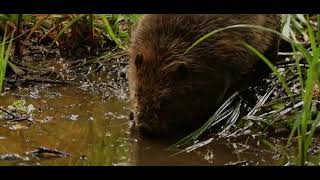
93 130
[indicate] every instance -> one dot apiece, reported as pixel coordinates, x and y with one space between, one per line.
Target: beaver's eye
182 72
139 59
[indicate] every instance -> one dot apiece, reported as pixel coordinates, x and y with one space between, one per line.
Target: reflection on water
94 130
150 152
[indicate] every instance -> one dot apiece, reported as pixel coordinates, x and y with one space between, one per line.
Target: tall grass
62 27
69 24
111 32
304 119
4 56
313 60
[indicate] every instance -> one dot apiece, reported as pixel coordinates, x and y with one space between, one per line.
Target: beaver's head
170 94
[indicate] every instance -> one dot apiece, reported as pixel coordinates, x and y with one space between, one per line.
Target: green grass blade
110 31
217 117
297 62
272 67
298 46
36 26
2 63
66 27
4 56
313 128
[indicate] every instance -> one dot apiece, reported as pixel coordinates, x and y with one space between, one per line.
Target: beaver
173 92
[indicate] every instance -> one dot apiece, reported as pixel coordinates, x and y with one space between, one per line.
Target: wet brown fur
172 92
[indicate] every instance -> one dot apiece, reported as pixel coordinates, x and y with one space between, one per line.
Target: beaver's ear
182 71
139 60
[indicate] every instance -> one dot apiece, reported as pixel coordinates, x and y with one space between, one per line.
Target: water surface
93 129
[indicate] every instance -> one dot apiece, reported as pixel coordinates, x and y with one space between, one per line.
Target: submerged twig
21 118
44 152
15 117
8 112
35 80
